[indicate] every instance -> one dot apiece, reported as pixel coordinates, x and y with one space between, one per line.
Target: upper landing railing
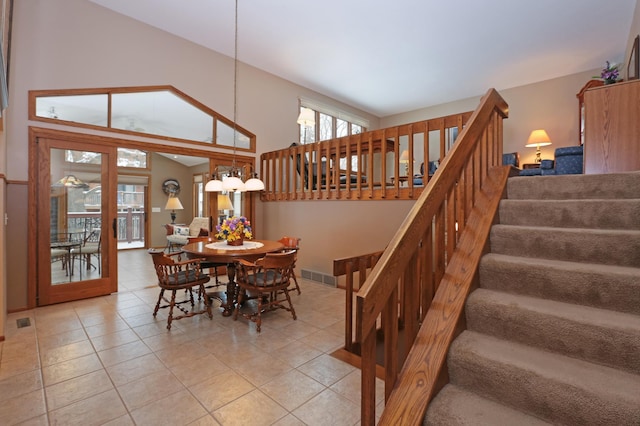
392 163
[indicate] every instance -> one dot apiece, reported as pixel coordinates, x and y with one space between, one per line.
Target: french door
76 221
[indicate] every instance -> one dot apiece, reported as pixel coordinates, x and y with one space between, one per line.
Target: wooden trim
33 94
438 212
419 380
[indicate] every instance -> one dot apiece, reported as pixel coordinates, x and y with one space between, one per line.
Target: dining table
216 251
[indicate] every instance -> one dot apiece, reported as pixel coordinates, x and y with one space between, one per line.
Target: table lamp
404 158
173 204
538 138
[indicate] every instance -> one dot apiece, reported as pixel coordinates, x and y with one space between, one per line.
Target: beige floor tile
349 387
328 408
262 369
197 370
112 340
13 367
292 389
123 353
207 420
145 390
69 369
167 340
61 339
20 384
105 327
96 410
296 353
22 407
326 370
181 354
254 408
66 352
178 408
76 389
325 341
134 369
221 389
42 420
124 420
289 420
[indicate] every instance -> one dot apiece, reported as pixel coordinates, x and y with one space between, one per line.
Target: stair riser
537 393
597 214
619 291
615 185
575 245
572 336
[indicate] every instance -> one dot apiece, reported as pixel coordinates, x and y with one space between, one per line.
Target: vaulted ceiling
388 57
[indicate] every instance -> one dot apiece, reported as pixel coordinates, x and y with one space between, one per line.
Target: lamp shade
254 184
173 203
214 185
404 157
224 202
307 117
233 183
538 138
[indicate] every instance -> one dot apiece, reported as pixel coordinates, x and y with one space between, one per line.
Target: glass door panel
74 223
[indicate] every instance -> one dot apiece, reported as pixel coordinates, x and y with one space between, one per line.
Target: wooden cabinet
612 128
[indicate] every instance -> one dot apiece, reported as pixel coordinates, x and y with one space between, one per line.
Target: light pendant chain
235 88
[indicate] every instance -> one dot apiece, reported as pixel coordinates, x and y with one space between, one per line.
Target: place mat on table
246 245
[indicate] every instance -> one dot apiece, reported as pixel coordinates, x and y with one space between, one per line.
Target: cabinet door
612 128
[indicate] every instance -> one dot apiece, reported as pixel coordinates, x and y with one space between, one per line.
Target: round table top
200 249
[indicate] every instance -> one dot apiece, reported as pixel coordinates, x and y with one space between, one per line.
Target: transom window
159 111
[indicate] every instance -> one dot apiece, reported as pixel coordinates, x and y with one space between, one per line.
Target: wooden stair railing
431 264
314 171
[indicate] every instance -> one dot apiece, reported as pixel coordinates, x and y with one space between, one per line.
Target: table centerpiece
234 230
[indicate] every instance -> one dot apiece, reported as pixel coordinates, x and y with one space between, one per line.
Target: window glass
326 127
165 113
85 109
160 113
342 128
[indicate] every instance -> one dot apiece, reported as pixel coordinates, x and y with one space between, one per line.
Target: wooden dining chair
176 274
268 280
292 243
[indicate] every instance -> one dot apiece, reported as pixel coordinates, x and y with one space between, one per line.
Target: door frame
49 293
89 140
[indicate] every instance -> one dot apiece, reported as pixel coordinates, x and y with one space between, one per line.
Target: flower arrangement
610 73
234 229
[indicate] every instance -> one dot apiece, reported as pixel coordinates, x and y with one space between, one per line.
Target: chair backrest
278 266
290 243
94 237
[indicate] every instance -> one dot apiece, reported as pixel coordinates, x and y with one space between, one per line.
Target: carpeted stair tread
556 388
601 286
473 410
611 185
605 246
597 213
596 335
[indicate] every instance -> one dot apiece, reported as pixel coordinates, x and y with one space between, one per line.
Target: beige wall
76 44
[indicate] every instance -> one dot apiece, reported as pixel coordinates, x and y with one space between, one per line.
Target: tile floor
107 360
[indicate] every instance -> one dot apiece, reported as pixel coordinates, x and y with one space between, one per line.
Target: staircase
553 331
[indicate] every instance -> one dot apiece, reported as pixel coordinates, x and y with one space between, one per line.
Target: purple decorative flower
610 73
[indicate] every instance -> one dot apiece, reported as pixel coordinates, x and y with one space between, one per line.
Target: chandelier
233 182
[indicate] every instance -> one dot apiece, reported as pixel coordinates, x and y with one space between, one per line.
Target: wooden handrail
371 168
434 252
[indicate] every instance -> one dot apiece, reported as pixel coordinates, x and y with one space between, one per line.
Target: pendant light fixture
233 182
